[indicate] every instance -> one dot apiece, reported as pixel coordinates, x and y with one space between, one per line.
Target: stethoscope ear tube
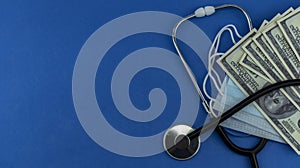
201 12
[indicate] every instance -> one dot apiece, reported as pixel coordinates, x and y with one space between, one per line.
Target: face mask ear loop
236 31
215 47
211 61
212 73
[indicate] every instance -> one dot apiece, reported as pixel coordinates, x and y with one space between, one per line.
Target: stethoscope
182 142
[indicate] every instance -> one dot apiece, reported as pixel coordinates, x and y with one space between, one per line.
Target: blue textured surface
39 43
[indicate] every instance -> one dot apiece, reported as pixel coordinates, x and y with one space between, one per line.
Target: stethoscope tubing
214 123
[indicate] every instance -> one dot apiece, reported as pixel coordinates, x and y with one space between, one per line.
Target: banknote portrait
276 105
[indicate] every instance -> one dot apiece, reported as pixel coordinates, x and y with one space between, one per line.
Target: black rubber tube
250 152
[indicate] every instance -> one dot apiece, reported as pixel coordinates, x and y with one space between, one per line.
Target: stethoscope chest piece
178 145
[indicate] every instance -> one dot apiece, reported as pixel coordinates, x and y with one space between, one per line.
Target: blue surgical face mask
249 119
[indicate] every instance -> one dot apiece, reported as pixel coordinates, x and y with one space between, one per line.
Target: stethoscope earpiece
178 145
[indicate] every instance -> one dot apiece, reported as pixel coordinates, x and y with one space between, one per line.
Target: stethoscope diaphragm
178 145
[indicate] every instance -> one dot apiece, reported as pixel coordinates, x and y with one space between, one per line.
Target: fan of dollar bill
265 56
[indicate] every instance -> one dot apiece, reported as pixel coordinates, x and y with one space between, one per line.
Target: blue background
39 43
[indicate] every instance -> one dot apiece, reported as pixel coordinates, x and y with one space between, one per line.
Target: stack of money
265 56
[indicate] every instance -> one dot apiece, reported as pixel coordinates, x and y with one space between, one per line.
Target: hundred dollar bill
280 46
289 26
273 74
248 63
276 61
264 26
275 107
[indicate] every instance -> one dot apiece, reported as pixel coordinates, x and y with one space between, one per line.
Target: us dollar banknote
275 106
277 60
281 47
247 61
273 74
290 27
